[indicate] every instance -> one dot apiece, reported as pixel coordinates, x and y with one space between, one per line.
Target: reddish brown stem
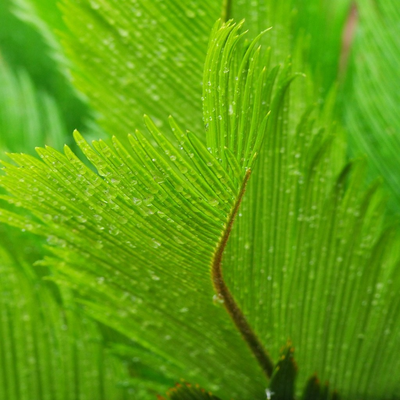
225 295
347 39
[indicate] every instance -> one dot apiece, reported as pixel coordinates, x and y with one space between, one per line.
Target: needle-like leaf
298 249
49 352
145 231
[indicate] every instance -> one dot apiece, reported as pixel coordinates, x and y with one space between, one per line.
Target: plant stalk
229 302
226 10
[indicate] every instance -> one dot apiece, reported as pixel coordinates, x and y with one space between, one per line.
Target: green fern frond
47 351
309 257
167 203
371 96
154 62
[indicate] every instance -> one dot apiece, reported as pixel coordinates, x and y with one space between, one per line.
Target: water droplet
155 244
218 299
213 202
97 217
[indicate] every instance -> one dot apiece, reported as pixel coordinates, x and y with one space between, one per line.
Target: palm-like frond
308 245
167 205
46 350
304 247
371 97
154 68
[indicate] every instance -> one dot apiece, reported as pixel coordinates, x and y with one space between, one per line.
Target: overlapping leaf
137 241
310 260
309 247
28 43
47 352
151 52
371 97
27 117
155 52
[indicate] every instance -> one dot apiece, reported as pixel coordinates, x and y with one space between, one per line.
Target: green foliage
28 44
30 116
282 385
133 224
155 53
371 96
183 196
47 351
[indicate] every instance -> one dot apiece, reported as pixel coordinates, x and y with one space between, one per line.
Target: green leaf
155 52
28 43
136 58
371 97
317 266
282 386
27 116
46 350
314 391
152 207
309 257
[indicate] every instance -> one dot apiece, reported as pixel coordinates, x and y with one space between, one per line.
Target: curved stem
225 295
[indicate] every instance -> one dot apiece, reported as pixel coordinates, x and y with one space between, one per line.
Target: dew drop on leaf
218 299
213 202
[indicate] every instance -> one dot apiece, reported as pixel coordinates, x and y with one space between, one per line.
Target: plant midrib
224 294
226 10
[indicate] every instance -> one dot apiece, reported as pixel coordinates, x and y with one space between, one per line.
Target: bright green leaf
48 352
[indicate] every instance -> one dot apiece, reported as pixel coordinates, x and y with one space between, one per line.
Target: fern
199 253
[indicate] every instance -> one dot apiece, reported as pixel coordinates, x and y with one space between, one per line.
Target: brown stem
225 295
347 39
